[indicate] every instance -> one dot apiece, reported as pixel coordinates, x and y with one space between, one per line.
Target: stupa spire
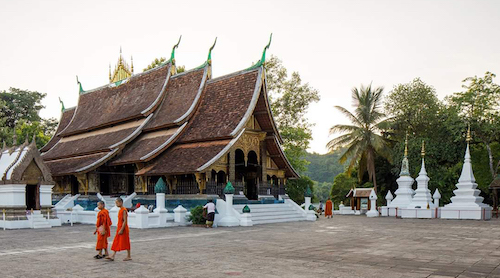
405 167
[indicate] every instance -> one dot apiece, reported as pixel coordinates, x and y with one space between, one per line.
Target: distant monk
328 208
103 226
122 240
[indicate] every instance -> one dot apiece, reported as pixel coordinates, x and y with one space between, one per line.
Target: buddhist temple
194 131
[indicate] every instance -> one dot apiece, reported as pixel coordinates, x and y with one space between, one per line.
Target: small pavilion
360 198
25 186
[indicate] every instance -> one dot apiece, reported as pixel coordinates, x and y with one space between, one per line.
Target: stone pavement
345 246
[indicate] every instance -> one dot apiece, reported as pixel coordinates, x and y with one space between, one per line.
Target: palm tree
362 139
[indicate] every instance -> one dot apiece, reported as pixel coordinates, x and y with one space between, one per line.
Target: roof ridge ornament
62 105
173 69
209 58
80 89
262 60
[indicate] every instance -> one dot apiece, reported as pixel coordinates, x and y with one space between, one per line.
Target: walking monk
103 226
328 208
122 240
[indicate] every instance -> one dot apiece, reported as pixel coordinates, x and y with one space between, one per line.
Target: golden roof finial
406 144
131 64
469 137
423 148
109 72
122 70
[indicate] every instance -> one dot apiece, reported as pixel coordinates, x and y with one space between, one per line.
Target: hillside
324 167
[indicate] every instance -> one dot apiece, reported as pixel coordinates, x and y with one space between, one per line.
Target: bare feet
110 258
127 259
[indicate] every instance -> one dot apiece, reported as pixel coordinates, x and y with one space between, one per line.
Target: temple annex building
195 131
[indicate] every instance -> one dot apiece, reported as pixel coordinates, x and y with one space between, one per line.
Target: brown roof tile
63 123
91 142
68 166
182 90
223 105
109 105
140 147
184 158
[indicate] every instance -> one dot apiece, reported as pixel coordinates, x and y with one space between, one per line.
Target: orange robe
121 242
328 208
103 220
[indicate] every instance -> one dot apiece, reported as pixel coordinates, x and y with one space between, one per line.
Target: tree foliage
296 188
290 100
479 105
159 61
20 116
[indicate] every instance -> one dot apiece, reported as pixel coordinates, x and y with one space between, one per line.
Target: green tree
341 186
413 106
322 190
159 61
20 104
362 139
296 188
479 105
20 115
290 99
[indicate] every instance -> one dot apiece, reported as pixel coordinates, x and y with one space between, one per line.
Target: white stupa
466 204
404 193
422 198
421 206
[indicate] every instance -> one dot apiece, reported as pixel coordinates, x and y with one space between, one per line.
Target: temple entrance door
74 185
104 184
32 197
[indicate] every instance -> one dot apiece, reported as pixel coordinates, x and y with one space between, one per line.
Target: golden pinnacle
423 148
469 137
406 144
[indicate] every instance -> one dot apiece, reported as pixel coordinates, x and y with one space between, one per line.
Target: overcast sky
334 45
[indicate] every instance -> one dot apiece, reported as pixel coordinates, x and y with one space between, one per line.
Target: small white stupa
404 194
466 204
421 206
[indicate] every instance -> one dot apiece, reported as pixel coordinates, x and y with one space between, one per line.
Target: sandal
109 258
98 257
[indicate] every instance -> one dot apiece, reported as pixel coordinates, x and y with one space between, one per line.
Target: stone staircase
39 222
273 213
66 202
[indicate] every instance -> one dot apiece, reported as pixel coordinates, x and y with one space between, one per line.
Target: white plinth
13 195
387 211
472 213
46 195
418 213
246 220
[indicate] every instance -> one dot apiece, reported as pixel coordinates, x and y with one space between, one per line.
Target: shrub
197 215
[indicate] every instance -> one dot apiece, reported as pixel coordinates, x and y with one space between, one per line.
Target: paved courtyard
345 246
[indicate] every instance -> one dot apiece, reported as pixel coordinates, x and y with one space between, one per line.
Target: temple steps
272 213
39 222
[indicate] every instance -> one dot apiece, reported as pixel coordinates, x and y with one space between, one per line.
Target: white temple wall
46 195
13 195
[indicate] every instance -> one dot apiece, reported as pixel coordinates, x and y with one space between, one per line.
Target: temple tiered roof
170 123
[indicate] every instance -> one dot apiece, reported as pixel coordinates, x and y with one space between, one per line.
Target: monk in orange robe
103 225
122 240
329 208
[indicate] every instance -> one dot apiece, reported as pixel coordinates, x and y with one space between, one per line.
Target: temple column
263 159
232 168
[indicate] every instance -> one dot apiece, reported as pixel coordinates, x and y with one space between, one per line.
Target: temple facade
195 131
